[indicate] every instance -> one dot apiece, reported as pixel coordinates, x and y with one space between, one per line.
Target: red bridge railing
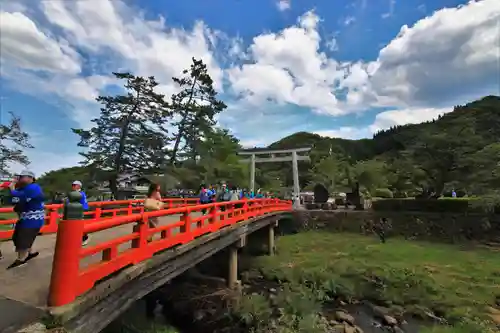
71 277
97 210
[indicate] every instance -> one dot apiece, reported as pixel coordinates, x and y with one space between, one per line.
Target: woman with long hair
153 193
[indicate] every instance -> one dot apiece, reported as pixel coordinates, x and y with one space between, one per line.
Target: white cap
26 173
77 182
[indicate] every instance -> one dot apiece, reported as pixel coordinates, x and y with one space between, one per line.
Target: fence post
53 217
65 266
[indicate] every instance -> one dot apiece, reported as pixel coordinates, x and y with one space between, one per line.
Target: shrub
383 193
425 205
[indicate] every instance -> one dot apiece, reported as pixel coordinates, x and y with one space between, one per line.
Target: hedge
472 205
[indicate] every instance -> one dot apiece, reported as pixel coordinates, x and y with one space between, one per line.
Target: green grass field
451 282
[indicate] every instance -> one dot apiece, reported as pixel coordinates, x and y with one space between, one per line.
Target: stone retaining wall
442 227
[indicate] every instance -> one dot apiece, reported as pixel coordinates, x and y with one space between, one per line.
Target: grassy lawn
421 277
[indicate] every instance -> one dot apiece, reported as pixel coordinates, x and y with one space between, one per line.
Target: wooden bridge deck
29 284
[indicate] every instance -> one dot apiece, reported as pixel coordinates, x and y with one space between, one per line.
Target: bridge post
270 238
64 278
232 281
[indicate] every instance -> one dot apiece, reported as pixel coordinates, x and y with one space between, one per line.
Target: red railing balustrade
97 210
71 277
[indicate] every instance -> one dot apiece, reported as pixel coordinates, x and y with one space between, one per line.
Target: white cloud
24 46
144 46
283 5
332 44
453 54
280 73
444 59
103 29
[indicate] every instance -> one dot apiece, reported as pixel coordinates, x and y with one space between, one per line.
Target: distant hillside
482 115
460 149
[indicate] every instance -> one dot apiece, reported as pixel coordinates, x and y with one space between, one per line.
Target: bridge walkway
29 284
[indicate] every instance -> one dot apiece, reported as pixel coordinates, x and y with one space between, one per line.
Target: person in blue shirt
77 186
29 200
205 197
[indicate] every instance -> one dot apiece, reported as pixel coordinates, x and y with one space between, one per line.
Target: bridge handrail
97 210
70 280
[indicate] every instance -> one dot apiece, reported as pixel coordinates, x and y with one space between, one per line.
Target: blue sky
337 68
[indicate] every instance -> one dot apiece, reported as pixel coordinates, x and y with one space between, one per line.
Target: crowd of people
227 193
28 200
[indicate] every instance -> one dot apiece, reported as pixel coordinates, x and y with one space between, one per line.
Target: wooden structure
277 156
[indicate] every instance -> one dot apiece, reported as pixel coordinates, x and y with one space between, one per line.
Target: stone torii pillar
276 156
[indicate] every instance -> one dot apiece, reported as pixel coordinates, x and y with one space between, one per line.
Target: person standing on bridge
154 193
205 197
77 186
29 199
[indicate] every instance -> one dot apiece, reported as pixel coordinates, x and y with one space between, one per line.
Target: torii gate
289 155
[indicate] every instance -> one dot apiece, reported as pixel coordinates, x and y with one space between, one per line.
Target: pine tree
13 142
196 105
128 136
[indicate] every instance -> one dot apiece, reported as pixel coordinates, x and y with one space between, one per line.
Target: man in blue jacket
29 201
77 186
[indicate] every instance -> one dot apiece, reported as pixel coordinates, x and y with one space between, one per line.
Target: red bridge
85 288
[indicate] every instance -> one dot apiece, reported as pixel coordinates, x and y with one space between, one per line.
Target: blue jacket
83 201
206 196
29 201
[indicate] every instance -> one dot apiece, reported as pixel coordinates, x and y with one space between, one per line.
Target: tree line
459 151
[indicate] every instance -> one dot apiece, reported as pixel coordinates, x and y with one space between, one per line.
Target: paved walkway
29 284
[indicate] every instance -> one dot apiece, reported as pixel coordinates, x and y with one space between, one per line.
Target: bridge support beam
270 238
232 280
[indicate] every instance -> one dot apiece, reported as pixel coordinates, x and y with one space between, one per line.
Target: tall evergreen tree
13 142
196 106
128 136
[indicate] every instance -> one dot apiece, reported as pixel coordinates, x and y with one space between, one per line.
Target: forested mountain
459 150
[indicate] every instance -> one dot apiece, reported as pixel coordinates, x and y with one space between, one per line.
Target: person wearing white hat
77 186
29 200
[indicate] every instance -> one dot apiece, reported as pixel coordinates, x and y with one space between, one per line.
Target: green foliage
330 171
450 205
370 174
196 106
383 193
125 137
60 180
13 142
218 160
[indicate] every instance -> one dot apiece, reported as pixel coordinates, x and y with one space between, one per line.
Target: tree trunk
175 150
182 125
121 148
113 186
